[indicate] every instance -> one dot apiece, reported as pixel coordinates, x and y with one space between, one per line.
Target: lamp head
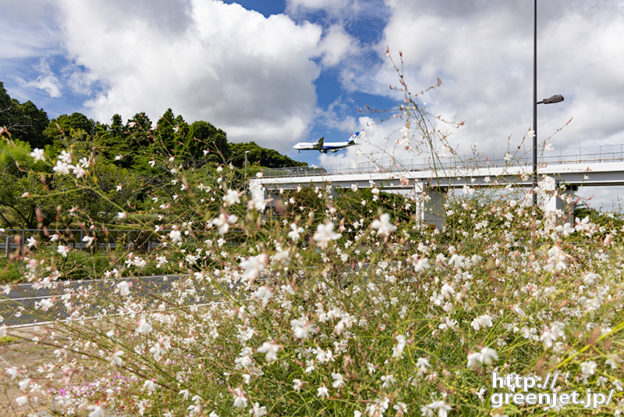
557 98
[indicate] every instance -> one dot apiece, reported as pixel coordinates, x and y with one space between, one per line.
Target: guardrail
604 153
132 239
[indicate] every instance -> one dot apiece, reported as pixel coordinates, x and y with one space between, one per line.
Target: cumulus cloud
337 45
483 53
249 75
377 147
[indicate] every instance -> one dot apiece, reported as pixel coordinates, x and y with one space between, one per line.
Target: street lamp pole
245 174
554 99
534 103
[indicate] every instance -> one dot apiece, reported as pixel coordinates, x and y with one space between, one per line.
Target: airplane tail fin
353 137
319 144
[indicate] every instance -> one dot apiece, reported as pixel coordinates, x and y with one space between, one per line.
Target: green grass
8 340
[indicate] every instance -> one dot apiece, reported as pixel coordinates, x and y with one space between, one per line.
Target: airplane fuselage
325 147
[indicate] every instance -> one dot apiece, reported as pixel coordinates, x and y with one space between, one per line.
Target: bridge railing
598 154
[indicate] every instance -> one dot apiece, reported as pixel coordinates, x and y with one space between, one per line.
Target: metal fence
597 154
134 239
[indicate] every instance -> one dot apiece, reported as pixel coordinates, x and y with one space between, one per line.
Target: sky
282 71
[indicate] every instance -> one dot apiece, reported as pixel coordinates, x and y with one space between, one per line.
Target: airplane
325 147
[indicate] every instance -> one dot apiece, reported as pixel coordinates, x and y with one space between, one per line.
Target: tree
269 158
67 123
203 136
25 121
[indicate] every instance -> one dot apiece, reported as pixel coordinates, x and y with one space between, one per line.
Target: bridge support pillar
430 204
560 199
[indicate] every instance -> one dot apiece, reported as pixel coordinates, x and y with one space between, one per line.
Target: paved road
24 296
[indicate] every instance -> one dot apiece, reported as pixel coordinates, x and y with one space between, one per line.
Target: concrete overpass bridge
566 173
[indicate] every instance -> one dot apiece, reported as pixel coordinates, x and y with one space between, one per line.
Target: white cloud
376 148
337 45
27 30
249 75
46 81
483 53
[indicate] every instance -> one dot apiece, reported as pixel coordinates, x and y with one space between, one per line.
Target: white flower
556 259
257 198
270 349
21 400
63 250
551 334
144 327
79 171
115 358
88 240
590 278
258 411
422 364
322 392
397 351
421 265
231 197
401 408
124 288
61 167
38 154
65 157
486 356
447 291
149 386
118 157
295 232
122 215
338 380
383 225
96 411
253 265
264 294
175 236
31 241
12 372
482 322
223 222
440 406
282 255
588 368
240 400
325 233
302 327
387 380
297 384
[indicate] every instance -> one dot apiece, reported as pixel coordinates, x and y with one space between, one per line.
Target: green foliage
260 156
17 170
123 164
25 121
76 125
